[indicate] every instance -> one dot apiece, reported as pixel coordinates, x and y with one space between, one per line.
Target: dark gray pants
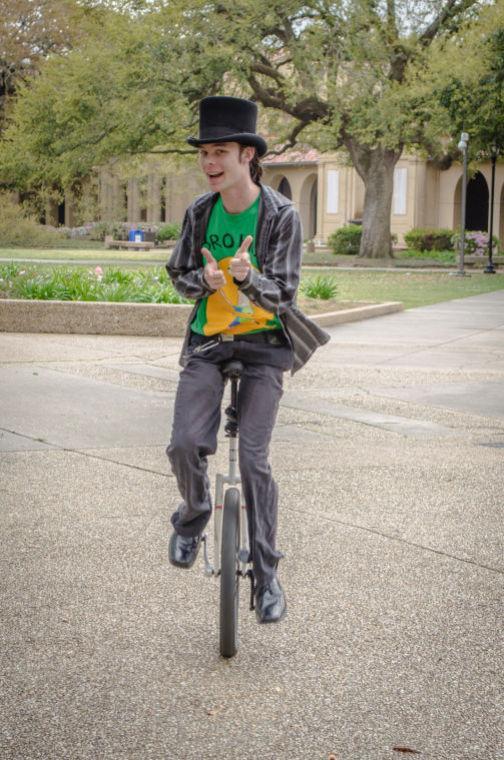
194 437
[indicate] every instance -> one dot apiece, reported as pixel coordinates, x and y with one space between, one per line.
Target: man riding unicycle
239 258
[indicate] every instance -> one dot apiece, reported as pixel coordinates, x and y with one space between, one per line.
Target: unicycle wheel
229 578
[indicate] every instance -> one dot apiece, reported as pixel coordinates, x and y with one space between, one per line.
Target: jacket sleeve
274 288
185 273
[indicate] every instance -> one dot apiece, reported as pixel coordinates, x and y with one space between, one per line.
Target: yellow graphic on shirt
229 311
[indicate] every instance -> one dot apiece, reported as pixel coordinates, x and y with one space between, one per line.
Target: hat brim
244 138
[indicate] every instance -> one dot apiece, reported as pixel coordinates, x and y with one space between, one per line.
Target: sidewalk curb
331 318
152 320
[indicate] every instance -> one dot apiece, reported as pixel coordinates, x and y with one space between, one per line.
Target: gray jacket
278 250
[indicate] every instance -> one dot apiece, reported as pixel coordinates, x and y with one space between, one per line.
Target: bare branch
166 151
268 71
267 97
309 109
291 140
451 9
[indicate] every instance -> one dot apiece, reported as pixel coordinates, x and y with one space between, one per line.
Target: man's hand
240 263
214 277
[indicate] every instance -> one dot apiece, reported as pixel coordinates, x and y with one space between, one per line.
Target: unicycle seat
232 369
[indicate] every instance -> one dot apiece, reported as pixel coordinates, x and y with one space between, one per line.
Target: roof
293 157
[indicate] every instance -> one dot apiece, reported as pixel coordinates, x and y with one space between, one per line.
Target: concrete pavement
389 453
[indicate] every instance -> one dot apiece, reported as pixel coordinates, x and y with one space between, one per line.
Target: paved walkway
389 453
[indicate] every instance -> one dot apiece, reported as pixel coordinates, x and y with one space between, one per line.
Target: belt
272 337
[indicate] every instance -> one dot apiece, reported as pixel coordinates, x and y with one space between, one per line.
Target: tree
337 75
29 32
344 75
473 100
121 92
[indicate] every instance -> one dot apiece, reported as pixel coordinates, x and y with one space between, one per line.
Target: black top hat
225 119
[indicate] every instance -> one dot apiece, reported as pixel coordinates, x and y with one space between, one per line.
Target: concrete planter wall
102 318
93 318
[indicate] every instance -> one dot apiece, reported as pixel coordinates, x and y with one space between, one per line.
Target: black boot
182 550
270 604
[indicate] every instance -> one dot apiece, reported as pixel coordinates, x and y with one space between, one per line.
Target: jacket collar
271 201
269 206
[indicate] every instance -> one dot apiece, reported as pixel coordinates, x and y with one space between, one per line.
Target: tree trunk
376 169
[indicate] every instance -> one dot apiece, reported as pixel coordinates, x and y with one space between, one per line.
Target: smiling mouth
215 176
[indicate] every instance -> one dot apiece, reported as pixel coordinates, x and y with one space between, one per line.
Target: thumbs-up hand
214 277
240 263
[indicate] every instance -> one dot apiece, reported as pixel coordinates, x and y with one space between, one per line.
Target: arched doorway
285 188
61 214
308 207
477 203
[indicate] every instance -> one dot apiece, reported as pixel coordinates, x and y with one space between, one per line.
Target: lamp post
494 152
462 146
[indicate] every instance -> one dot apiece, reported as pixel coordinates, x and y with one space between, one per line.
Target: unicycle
231 542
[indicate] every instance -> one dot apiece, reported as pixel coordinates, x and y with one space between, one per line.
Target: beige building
327 192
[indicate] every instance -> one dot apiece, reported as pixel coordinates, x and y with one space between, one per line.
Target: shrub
429 239
476 243
170 231
346 240
320 287
17 228
117 230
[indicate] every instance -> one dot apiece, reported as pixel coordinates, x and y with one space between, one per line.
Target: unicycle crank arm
209 569
250 574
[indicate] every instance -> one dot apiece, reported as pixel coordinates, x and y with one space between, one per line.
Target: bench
135 245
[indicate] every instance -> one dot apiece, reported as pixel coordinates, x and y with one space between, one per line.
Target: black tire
229 581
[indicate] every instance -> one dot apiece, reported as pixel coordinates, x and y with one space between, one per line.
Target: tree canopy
473 101
368 77
30 32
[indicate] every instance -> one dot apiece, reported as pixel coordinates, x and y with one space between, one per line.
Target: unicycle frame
231 478
232 527
222 482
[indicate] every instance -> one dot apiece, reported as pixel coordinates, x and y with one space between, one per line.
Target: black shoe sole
174 562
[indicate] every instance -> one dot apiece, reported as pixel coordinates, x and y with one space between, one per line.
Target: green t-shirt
228 310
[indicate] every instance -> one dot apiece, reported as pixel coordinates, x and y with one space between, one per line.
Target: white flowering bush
476 243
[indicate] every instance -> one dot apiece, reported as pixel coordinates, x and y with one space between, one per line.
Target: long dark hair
256 169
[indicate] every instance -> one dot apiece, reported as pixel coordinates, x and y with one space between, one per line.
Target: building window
400 191
332 191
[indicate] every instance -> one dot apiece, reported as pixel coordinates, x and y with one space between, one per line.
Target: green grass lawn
324 257
86 250
95 252
412 288
443 257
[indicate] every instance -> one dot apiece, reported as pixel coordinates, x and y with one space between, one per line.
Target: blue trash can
136 236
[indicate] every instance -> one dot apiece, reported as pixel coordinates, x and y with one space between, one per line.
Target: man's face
224 166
